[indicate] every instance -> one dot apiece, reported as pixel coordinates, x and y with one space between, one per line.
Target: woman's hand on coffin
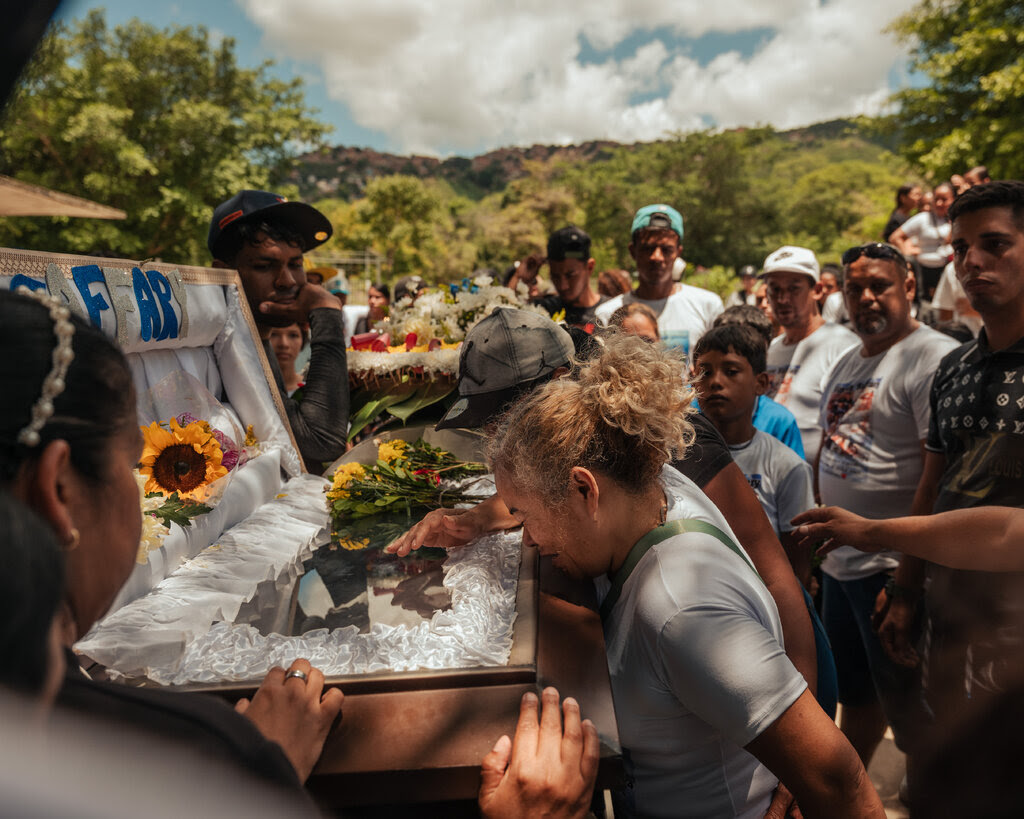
295 711
443 529
549 769
309 297
449 528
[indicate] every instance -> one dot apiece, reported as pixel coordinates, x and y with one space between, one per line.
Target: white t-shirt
698 670
781 479
875 413
683 317
797 373
949 294
834 309
931 233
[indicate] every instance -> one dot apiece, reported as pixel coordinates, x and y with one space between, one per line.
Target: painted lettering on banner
158 300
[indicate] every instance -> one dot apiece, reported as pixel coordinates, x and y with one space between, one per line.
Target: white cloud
458 75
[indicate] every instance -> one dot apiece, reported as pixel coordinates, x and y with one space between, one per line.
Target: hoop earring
72 542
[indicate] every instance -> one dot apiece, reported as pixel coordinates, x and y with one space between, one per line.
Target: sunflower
183 460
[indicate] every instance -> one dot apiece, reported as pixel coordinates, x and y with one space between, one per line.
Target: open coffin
216 603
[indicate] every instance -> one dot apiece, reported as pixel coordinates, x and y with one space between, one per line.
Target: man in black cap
263 236
571 270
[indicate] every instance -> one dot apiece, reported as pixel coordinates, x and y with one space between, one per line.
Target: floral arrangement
403 379
448 314
181 461
405 476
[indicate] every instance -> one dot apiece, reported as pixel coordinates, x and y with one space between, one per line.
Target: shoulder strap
654 537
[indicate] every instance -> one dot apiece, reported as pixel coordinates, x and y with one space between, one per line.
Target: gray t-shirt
781 479
698 670
875 414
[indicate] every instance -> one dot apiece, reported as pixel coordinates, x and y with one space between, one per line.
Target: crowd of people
671 449
878 417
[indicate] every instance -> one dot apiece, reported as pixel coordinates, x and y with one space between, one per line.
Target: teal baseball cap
658 216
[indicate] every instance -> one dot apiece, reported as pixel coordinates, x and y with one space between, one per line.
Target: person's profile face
108 516
554 531
270 271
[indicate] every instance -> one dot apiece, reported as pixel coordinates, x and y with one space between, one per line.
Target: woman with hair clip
710 710
69 440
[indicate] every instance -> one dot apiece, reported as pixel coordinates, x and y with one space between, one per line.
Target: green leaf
425 396
375 407
176 510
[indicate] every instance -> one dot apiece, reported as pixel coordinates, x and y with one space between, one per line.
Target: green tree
163 124
399 213
972 112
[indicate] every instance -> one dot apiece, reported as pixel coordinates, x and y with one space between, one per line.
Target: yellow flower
183 460
343 477
354 545
250 436
391 451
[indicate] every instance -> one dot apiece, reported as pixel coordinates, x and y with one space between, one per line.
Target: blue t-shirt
771 417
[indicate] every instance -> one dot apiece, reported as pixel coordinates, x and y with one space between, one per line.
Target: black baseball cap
249 206
504 356
568 243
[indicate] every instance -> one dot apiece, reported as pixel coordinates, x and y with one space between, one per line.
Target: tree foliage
742 194
973 109
163 124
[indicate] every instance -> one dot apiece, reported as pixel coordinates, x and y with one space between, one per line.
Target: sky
461 77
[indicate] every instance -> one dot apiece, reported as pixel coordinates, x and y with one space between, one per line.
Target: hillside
342 172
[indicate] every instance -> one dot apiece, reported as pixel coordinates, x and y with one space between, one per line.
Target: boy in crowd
769 415
729 366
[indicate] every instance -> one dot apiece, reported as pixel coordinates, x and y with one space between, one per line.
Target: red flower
430 473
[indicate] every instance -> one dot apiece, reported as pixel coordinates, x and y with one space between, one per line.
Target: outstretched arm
986 538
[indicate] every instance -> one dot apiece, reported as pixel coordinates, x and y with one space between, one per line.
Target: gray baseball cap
502 357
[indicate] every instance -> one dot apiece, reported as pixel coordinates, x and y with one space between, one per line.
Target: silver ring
297 673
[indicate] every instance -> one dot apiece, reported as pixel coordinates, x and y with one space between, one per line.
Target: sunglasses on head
873 250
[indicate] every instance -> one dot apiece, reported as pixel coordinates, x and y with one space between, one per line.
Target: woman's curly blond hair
623 414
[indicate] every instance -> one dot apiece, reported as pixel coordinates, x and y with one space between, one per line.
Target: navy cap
248 206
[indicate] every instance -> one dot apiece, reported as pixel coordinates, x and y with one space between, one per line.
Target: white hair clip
53 384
